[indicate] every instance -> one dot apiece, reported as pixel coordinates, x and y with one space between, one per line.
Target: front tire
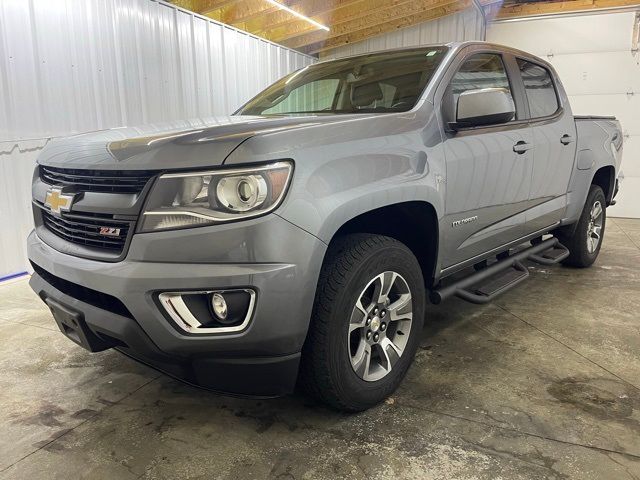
586 240
366 323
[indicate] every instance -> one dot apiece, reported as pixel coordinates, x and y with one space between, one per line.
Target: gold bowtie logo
57 201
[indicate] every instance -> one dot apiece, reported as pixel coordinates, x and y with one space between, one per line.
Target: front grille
105 181
85 229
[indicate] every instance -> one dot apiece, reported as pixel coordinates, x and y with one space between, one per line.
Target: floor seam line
569 347
625 233
28 325
529 434
78 425
629 238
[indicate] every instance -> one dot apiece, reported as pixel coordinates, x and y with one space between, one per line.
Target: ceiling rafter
350 16
317 42
525 9
351 21
319 10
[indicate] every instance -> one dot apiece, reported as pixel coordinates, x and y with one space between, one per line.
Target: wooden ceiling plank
334 19
353 37
319 10
380 21
547 8
213 5
247 10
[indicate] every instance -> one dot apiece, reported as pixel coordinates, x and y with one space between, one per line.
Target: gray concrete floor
543 383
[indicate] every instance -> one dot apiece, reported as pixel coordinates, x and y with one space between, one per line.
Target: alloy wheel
594 228
380 326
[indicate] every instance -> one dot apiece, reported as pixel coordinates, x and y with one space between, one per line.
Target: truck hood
176 145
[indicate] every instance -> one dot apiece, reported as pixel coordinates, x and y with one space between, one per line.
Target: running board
486 284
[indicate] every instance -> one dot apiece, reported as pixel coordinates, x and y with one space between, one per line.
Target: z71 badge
110 231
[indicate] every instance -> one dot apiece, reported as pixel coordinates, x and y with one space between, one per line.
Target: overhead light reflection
299 15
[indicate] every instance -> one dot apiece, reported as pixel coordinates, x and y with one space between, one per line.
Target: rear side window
541 92
483 70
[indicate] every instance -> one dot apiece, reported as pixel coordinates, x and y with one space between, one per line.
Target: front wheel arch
415 224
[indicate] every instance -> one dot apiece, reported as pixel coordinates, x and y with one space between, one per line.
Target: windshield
374 83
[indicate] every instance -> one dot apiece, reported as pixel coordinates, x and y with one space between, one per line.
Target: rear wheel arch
605 178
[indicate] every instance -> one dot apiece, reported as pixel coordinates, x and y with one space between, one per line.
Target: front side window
373 83
480 71
541 92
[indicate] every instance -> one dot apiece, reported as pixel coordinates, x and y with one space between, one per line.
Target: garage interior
543 382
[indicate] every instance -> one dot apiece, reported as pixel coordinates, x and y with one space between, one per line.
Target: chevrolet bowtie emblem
57 201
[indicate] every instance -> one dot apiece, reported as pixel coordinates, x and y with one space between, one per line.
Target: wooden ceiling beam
228 11
202 6
319 10
349 13
432 14
240 13
376 23
494 11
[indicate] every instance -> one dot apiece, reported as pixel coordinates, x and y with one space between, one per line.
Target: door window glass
484 70
541 92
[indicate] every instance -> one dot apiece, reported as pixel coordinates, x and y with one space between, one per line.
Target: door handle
521 147
566 139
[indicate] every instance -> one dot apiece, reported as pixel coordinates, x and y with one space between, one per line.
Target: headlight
180 200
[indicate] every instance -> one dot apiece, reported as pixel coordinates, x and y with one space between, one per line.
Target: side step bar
480 287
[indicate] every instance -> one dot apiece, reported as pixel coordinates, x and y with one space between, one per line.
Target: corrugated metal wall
70 66
465 25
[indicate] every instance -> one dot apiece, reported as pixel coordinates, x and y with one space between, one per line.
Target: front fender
345 169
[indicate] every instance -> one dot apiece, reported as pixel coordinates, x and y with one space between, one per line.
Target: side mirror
485 106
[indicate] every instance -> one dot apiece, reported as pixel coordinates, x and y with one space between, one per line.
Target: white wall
465 25
69 66
593 56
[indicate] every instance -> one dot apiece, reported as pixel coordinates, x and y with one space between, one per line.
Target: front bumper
270 255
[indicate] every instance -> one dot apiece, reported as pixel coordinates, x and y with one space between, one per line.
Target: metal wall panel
465 25
71 66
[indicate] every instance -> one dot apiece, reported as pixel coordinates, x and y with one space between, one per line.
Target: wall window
541 93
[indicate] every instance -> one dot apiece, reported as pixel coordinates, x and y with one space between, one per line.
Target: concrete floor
543 383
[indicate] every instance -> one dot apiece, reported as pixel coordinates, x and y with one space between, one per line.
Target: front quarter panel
348 168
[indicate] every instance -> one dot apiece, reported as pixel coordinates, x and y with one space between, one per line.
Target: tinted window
379 82
541 93
484 70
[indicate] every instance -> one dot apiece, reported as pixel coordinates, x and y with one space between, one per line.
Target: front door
488 172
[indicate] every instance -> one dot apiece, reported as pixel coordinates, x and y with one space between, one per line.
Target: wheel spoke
596 210
362 362
358 316
391 352
401 308
595 233
385 282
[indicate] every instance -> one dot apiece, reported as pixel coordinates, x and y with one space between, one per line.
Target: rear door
554 139
487 181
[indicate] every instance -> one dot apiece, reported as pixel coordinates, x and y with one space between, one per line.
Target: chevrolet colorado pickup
298 240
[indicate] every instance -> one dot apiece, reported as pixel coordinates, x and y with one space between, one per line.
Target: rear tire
362 341
585 241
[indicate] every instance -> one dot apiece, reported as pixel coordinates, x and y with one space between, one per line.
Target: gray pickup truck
298 241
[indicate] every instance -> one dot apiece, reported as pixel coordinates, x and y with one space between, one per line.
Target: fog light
219 306
210 311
